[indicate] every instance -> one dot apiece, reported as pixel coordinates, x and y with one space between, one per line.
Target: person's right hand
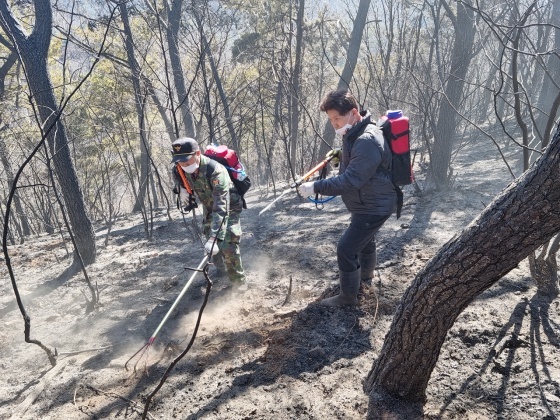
306 189
184 194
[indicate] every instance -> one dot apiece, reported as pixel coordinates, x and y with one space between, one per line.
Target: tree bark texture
33 52
23 224
519 220
138 104
4 69
295 85
220 88
461 55
544 269
549 90
174 24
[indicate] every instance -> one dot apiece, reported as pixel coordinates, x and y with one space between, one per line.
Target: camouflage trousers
229 257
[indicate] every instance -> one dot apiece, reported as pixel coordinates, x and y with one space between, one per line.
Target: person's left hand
306 189
334 155
211 246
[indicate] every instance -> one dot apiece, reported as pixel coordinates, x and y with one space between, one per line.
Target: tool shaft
164 320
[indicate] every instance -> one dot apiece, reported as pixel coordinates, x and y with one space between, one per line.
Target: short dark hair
340 100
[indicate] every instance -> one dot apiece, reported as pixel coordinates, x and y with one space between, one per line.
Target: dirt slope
269 352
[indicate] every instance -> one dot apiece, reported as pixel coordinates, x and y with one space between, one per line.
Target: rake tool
145 348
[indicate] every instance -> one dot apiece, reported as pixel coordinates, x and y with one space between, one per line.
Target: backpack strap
400 199
210 168
404 133
192 201
381 168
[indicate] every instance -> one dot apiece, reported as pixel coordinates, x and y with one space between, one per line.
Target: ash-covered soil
270 352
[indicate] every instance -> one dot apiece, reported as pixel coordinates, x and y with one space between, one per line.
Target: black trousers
358 239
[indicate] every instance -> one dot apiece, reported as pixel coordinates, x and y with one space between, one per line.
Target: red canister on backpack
400 130
227 157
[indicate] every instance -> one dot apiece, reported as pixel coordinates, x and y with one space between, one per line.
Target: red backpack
229 158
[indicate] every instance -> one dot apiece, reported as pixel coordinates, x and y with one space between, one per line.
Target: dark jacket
364 180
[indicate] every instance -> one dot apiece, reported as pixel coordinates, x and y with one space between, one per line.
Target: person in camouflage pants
221 203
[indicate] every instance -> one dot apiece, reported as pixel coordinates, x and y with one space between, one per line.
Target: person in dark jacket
365 186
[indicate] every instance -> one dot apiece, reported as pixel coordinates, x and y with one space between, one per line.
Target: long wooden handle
316 168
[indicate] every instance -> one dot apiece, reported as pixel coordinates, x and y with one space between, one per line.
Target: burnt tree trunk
33 53
352 55
174 15
23 224
461 56
544 269
519 220
139 102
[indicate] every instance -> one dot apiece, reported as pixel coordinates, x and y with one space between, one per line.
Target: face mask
342 130
190 169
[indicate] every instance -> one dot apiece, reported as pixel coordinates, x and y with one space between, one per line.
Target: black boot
349 286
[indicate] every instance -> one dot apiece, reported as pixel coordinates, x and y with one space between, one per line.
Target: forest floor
270 352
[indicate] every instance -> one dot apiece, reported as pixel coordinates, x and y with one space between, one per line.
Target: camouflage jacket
218 197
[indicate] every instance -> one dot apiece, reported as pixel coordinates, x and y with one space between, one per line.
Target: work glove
306 189
184 195
336 154
186 201
211 246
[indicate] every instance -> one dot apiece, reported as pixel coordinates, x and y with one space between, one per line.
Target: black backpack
396 130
